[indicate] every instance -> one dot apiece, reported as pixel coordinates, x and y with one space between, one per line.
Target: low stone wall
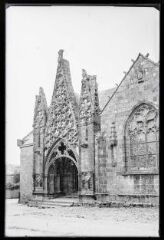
128 200
12 193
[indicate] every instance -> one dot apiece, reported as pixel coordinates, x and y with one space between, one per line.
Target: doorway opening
63 178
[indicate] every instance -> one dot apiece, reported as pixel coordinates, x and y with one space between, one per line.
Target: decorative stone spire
41 110
39 125
60 55
84 74
89 102
89 125
63 112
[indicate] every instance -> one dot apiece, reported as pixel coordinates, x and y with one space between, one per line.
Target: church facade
101 146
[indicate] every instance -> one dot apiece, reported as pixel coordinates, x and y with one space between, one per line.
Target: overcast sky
102 40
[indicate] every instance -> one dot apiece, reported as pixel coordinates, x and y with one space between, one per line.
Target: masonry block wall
26 173
140 85
100 164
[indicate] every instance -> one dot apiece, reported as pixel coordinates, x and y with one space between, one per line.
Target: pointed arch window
142 140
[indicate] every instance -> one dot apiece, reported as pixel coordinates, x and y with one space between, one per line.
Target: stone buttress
89 124
39 125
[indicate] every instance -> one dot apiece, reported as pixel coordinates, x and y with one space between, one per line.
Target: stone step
72 202
130 204
47 203
69 200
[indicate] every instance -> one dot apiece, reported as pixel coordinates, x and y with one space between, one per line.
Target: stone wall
10 194
100 164
26 173
131 92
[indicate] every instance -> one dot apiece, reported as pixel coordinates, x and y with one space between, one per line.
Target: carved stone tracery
39 123
62 122
87 182
139 72
142 138
38 180
61 149
89 102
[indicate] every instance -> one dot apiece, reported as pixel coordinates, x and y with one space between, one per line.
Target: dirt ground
22 220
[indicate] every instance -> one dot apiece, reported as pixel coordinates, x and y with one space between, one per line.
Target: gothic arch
55 153
141 138
52 162
135 107
56 143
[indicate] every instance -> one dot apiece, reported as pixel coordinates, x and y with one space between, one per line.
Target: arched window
142 140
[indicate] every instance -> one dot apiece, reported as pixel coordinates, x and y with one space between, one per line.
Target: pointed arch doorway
62 177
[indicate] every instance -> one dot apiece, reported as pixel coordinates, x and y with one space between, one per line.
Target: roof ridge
140 54
147 58
28 134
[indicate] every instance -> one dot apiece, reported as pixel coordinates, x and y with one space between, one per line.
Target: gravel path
22 220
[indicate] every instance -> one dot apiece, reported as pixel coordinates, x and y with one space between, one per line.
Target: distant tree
16 177
12 186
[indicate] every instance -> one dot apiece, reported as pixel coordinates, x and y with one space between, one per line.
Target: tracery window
142 140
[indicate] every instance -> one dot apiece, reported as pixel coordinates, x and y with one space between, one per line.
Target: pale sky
102 40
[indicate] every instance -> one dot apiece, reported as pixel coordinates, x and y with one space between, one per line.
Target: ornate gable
63 112
142 69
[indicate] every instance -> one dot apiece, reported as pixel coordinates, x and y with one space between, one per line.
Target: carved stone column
97 162
45 184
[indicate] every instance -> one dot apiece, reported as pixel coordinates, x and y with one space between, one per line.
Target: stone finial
60 55
84 73
40 89
41 92
94 77
147 55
